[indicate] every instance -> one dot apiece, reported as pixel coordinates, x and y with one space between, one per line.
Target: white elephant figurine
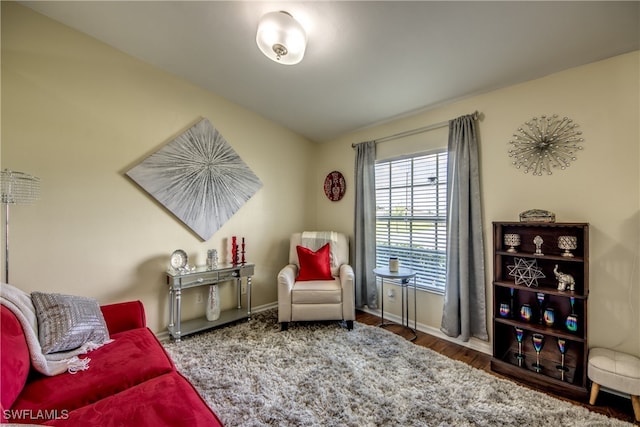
566 282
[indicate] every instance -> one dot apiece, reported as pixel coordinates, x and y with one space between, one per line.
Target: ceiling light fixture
281 38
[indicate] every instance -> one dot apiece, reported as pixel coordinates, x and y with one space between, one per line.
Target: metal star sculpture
525 272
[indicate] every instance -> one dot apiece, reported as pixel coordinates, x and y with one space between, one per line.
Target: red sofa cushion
123 316
14 358
134 357
168 400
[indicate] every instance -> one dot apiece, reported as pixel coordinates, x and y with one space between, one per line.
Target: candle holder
549 316
234 250
512 240
568 243
394 264
212 259
525 313
505 310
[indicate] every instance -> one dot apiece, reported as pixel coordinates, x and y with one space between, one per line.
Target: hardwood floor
607 404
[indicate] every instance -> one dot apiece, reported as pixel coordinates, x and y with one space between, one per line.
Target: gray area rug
320 374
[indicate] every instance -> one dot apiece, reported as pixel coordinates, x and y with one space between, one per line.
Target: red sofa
130 382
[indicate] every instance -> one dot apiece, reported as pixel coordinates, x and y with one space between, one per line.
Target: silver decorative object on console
512 240
568 243
212 259
179 262
538 242
537 215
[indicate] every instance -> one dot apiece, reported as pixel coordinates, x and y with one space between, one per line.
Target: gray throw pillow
66 322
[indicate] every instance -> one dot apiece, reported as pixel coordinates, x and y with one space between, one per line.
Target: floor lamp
16 188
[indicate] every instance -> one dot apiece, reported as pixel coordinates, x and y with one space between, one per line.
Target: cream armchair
313 300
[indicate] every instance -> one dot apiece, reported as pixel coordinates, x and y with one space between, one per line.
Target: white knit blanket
314 240
19 302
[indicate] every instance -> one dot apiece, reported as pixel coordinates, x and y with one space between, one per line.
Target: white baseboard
473 343
264 307
163 336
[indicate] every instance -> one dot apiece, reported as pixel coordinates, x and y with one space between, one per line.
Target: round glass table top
402 273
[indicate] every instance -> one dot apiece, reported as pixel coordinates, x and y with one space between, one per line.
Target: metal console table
404 277
201 276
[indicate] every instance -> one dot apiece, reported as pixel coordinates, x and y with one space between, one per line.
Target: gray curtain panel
365 226
464 313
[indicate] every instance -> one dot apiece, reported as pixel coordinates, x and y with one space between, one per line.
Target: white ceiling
366 61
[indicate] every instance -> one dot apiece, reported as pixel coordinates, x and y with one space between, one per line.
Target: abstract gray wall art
199 178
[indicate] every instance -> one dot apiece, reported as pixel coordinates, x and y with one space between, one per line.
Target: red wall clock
334 186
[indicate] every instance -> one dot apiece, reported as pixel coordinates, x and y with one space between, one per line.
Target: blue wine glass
572 319
519 337
540 296
511 294
538 343
562 346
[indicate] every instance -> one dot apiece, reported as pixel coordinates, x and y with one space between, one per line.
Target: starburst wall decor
545 143
199 178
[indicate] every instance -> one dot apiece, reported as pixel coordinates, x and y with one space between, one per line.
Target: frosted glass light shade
281 38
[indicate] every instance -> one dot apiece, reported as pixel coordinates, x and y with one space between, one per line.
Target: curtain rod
475 115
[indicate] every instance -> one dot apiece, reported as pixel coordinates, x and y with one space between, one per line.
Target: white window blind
411 216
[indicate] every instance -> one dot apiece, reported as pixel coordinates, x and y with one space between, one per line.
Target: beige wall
602 187
79 114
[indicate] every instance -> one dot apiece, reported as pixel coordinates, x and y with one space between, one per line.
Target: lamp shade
18 187
281 38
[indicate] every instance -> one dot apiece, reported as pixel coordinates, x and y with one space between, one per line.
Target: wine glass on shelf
525 313
540 296
538 343
572 319
519 336
562 346
511 295
505 311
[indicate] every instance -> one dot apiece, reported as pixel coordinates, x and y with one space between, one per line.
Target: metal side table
404 277
202 276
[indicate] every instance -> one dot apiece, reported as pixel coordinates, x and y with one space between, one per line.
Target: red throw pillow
314 265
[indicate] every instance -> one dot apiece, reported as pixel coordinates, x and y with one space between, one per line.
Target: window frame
412 258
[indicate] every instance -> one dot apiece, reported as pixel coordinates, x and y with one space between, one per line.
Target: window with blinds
411 216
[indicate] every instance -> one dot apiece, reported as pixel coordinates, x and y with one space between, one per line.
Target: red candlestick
234 251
